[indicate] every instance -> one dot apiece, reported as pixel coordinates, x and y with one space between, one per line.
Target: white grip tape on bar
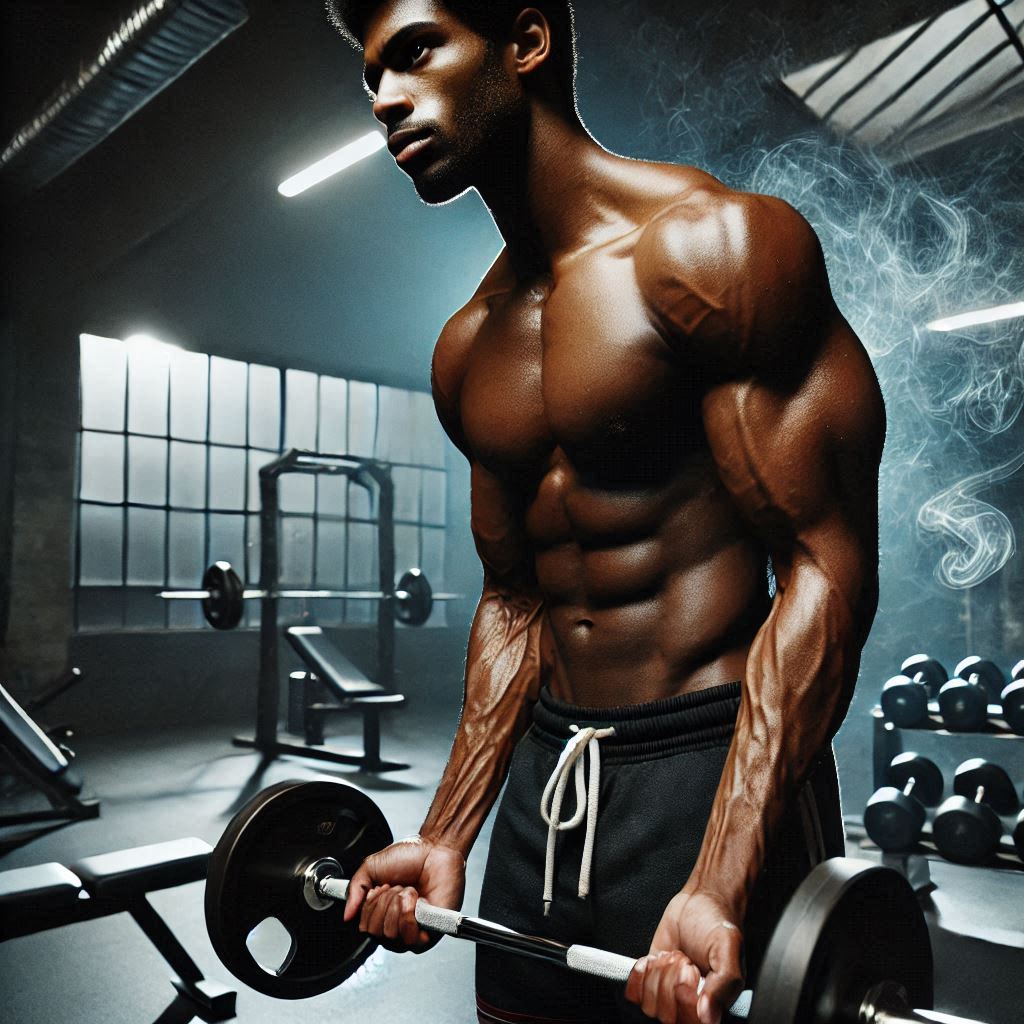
437 919
599 962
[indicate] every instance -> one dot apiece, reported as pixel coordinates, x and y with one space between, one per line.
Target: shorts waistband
688 721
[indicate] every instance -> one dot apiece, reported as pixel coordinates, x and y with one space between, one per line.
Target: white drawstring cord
586 803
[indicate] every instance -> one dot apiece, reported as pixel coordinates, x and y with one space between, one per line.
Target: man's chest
579 367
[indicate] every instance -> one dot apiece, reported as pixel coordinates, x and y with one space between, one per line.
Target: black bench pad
42 886
128 873
332 667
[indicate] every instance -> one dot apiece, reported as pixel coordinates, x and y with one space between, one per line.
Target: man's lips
404 145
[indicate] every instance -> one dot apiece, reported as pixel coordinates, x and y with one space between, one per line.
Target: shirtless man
657 395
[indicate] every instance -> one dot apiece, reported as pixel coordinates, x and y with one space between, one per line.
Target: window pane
256 460
362 418
296 551
148 375
146 546
407 492
103 382
190 383
333 415
362 570
100 543
300 410
186 535
227 541
433 507
361 501
188 475
102 467
147 470
265 407
432 563
228 388
331 495
330 555
252 551
298 492
227 478
429 440
407 550
395 425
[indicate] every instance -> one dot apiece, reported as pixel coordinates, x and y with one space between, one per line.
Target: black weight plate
988 673
904 702
927 670
256 872
849 926
223 608
415 609
1013 706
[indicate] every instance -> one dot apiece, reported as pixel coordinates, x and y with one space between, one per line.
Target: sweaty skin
655 392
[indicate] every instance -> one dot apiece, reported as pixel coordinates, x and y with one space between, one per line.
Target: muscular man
664 412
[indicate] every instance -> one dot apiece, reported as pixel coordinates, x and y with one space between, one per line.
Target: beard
483 141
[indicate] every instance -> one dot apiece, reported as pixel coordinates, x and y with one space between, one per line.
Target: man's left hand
697 937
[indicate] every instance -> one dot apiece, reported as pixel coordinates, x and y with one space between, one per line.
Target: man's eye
414 53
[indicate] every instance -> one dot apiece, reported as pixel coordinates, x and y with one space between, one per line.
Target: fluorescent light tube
979 316
338 161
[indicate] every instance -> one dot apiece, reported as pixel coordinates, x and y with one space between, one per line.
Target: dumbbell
967 828
895 815
1018 835
978 682
905 697
1012 699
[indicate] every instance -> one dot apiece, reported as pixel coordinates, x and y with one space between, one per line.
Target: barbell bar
223 594
851 946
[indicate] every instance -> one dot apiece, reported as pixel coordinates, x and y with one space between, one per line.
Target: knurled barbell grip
599 963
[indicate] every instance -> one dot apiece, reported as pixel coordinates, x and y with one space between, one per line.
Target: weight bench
44 765
329 673
46 896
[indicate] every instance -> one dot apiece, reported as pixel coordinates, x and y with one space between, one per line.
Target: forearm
799 681
503 676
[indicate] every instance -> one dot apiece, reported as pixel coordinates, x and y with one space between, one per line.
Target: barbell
223 596
852 945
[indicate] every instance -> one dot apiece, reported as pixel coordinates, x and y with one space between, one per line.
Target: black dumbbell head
1018 670
963 705
999 792
965 831
1012 699
1018 835
926 670
893 820
925 773
904 702
983 671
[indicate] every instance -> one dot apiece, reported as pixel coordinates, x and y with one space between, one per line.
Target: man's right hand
383 892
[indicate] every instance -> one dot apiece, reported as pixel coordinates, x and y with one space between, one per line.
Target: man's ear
531 39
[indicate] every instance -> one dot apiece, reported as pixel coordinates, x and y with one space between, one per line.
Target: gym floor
171 784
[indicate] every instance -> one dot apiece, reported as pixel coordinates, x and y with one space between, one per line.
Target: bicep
800 457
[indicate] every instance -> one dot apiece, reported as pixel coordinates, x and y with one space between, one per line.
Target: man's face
445 96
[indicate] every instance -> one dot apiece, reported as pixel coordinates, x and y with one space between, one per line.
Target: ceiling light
978 316
338 161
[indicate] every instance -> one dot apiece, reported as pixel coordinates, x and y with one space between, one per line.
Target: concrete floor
180 782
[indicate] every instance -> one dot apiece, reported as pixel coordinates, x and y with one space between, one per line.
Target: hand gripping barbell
223 596
851 946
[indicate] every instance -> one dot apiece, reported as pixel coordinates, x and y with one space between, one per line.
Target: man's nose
393 103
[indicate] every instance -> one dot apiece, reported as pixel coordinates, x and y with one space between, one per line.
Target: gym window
169 449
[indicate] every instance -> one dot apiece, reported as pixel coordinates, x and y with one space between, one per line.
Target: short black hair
491 19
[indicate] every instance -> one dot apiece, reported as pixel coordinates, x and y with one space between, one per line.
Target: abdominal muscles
649 592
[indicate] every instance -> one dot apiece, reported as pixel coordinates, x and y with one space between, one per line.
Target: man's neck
549 193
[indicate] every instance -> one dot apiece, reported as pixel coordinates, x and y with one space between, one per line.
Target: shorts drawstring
587 794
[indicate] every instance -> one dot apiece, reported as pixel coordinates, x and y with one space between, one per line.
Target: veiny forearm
799 681
503 677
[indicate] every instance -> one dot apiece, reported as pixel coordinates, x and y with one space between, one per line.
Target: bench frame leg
213 1001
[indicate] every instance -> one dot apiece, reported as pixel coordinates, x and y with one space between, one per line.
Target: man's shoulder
721 266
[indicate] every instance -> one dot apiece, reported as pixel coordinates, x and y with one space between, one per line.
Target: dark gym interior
172 323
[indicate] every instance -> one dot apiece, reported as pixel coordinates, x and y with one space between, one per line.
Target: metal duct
148 51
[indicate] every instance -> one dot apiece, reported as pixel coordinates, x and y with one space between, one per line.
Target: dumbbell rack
888 742
370 475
